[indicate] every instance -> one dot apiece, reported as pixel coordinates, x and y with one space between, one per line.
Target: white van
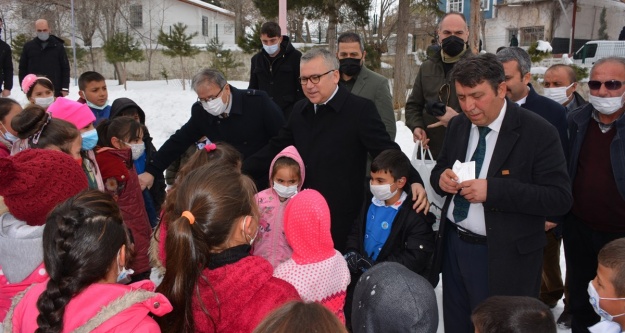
594 50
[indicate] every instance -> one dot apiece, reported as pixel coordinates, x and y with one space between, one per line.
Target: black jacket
410 243
158 189
6 66
49 61
278 76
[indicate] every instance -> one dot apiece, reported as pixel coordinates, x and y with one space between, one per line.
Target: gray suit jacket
374 86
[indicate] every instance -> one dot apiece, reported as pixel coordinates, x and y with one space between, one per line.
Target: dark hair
285 161
80 242
515 53
123 128
271 29
42 81
87 77
297 316
6 104
393 161
513 314
611 256
570 71
474 70
351 37
217 197
34 121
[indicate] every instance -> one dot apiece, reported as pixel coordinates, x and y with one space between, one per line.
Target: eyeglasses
212 98
313 78
610 85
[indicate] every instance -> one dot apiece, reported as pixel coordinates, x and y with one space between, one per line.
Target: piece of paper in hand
464 171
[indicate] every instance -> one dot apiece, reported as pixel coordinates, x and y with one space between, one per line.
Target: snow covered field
168 107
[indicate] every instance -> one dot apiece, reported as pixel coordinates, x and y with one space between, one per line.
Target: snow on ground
168 107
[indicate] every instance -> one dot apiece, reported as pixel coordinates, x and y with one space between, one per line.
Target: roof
208 6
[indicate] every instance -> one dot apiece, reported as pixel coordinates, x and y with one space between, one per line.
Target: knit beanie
34 181
391 298
307 227
76 113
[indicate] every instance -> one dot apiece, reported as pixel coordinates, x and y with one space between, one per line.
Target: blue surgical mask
271 49
594 299
89 139
123 274
43 36
93 106
8 135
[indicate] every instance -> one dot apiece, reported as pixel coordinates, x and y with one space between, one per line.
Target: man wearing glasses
333 130
246 119
597 171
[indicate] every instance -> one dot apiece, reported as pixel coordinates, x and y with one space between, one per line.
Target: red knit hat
307 228
34 181
76 113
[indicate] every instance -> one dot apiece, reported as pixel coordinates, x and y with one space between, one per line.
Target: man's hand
420 135
420 197
448 182
64 93
6 93
444 119
474 190
550 225
146 180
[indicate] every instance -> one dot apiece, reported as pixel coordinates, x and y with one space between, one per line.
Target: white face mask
214 107
44 102
594 301
558 94
137 149
382 192
606 105
285 191
246 236
8 135
123 274
271 49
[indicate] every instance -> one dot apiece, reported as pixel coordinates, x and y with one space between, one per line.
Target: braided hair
82 238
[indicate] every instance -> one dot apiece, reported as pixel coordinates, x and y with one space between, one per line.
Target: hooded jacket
158 189
117 164
49 61
316 269
271 243
278 76
101 307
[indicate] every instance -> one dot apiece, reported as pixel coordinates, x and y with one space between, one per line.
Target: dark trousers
551 286
581 247
465 281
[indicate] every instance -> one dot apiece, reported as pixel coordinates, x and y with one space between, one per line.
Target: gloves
357 263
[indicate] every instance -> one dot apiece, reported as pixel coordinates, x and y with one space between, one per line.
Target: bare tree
109 24
401 59
87 14
474 26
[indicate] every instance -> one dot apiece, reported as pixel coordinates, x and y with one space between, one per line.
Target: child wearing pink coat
318 272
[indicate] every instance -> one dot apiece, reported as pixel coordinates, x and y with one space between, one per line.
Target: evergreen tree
17 45
122 48
223 60
603 25
178 44
251 43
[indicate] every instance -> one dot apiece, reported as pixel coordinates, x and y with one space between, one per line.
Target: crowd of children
79 239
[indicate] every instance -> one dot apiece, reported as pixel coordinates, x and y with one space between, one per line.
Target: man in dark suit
6 66
492 234
333 130
246 119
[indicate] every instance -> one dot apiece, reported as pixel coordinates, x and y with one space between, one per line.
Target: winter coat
49 61
5 147
101 307
271 243
6 67
244 293
278 76
99 114
157 191
21 258
116 166
92 170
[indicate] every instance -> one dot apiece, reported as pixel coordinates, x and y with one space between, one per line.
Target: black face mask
350 66
453 45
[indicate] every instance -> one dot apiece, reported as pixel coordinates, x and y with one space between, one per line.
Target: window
529 35
136 16
204 25
587 51
454 6
485 5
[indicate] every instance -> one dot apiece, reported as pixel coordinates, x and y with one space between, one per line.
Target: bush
580 72
536 55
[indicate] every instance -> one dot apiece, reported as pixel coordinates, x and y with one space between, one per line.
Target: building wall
588 22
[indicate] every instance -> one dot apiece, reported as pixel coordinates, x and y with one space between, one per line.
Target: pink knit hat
76 113
29 81
34 181
307 228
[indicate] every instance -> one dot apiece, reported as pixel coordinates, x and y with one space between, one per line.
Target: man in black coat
45 55
275 69
333 130
492 230
6 66
246 119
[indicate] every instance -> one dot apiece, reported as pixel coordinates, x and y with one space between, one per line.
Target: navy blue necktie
461 205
